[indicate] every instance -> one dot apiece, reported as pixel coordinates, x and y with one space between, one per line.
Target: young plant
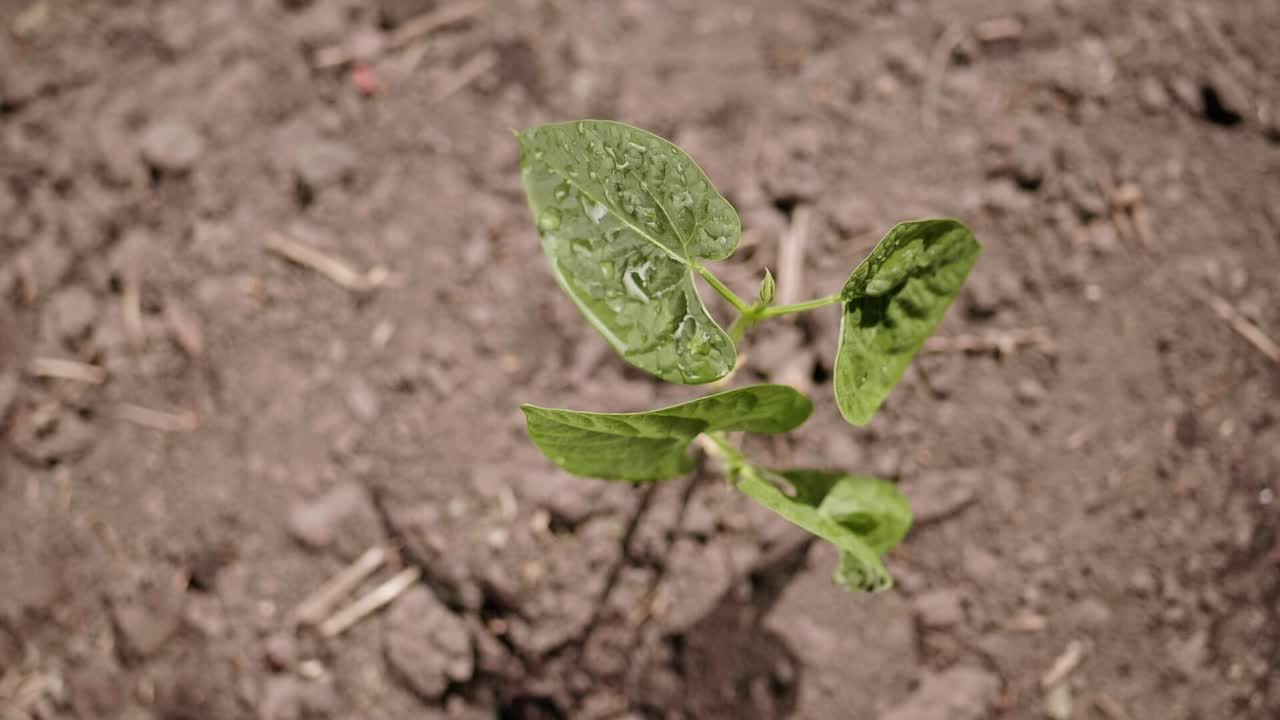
628 221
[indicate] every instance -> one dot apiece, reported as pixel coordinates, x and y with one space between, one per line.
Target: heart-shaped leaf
624 217
864 517
650 446
892 302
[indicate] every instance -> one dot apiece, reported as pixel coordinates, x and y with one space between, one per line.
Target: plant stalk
741 325
751 313
800 306
741 305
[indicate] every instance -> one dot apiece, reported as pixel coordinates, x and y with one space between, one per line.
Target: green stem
737 463
741 325
741 305
732 455
799 307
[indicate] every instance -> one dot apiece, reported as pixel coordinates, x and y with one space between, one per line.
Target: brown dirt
1116 490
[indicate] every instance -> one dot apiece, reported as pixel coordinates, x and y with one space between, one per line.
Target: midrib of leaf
627 221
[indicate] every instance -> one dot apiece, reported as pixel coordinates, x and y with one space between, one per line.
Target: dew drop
596 212
632 285
699 344
634 280
549 220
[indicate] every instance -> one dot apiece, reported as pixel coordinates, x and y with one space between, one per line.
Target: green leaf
864 517
893 301
875 509
624 217
649 446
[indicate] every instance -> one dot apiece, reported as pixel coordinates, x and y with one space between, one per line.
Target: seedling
628 221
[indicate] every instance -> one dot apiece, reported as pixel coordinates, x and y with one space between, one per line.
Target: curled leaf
862 516
893 301
649 446
624 217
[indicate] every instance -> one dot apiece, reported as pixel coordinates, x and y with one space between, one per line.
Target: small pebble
318 164
1142 583
1152 95
346 511
426 645
172 147
282 650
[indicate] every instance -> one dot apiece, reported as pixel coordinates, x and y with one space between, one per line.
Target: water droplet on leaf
549 220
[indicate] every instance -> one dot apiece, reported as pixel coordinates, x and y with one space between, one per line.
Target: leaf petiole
741 324
738 303
799 307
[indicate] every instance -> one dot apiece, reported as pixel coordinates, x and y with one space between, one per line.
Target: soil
1094 452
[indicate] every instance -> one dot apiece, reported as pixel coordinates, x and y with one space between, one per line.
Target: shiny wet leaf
892 302
624 216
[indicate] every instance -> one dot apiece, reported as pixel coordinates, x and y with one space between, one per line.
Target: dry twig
1004 342
999 29
1111 708
1027 622
834 9
410 31
185 421
60 369
1244 327
1066 663
791 255
131 309
184 326
331 267
1129 213
469 72
938 61
320 603
367 604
